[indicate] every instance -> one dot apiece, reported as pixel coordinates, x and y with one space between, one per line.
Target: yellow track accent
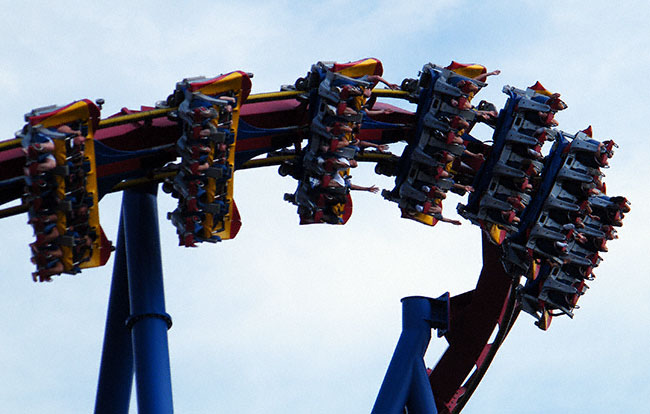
423 218
229 82
364 67
73 112
273 96
77 111
497 233
9 144
140 116
92 190
391 93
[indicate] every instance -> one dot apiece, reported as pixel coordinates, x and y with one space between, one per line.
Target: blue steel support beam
406 382
149 321
116 370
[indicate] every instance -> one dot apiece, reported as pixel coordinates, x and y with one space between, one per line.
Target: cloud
263 321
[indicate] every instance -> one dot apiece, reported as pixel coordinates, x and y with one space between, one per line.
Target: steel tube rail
161 112
157 178
406 383
116 370
149 321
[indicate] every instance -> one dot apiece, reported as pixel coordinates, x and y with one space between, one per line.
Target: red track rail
474 317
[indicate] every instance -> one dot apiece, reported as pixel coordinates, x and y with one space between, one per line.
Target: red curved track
475 315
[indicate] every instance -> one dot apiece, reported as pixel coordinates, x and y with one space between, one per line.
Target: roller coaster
545 214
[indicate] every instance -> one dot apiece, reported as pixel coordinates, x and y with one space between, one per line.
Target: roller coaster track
137 147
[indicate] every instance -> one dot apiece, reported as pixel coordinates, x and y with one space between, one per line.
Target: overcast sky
306 318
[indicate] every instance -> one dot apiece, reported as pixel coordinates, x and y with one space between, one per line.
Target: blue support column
148 321
116 370
406 382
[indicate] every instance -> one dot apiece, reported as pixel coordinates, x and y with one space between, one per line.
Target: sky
305 318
